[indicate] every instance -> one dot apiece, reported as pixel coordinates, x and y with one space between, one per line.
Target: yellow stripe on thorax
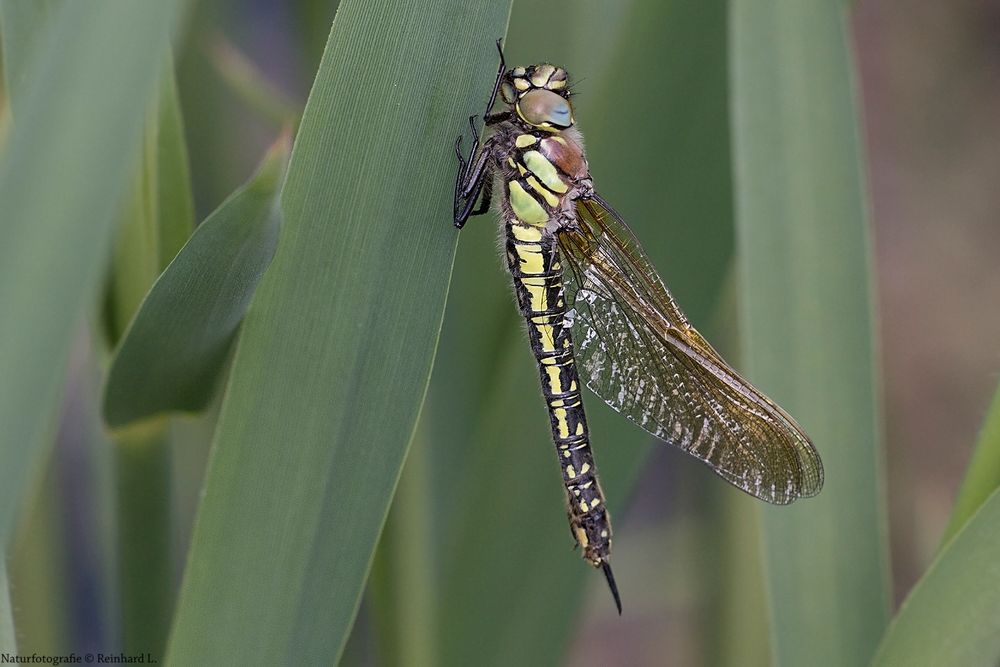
525 207
545 171
550 198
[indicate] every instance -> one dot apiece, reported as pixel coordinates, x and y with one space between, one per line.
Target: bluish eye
543 106
560 114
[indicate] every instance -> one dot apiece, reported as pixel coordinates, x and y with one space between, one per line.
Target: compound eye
540 106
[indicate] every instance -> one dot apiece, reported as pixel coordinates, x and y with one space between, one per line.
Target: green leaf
402 583
982 477
510 581
334 356
158 216
175 203
84 103
950 616
8 641
177 344
807 319
24 24
143 522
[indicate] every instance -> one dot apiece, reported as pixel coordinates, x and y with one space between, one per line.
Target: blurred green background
474 565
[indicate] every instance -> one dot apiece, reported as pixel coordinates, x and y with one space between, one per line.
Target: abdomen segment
533 259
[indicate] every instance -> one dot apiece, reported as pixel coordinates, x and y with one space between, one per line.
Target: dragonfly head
539 96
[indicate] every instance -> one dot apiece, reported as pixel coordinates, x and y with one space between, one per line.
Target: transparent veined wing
638 352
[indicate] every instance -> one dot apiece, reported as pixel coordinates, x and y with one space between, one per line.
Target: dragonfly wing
638 352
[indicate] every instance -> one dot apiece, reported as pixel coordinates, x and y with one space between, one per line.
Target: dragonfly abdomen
533 259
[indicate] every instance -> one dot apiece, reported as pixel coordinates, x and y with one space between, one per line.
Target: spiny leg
473 178
473 175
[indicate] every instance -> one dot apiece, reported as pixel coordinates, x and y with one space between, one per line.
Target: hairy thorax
543 173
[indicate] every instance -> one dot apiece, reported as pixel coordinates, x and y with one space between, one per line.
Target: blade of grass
951 615
402 581
807 319
175 203
144 518
158 218
24 25
176 346
510 582
159 214
37 570
135 259
334 357
8 641
674 186
982 477
84 104
734 622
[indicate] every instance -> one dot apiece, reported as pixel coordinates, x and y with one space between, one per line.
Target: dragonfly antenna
612 585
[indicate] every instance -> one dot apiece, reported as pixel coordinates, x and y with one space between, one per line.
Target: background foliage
218 457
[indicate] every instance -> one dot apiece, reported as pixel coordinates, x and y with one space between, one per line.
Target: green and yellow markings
544 170
526 208
555 380
550 198
542 74
526 234
531 262
525 140
546 336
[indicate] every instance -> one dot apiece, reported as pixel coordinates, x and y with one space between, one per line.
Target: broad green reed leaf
175 203
982 477
145 558
135 258
335 353
658 141
158 215
403 587
24 25
83 106
157 220
805 295
510 583
950 616
177 344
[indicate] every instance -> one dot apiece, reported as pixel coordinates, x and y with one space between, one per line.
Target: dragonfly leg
494 118
474 177
473 174
487 198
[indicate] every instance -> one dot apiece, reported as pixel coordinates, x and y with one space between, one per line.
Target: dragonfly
596 309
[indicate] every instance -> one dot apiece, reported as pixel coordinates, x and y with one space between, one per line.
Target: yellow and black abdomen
533 259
